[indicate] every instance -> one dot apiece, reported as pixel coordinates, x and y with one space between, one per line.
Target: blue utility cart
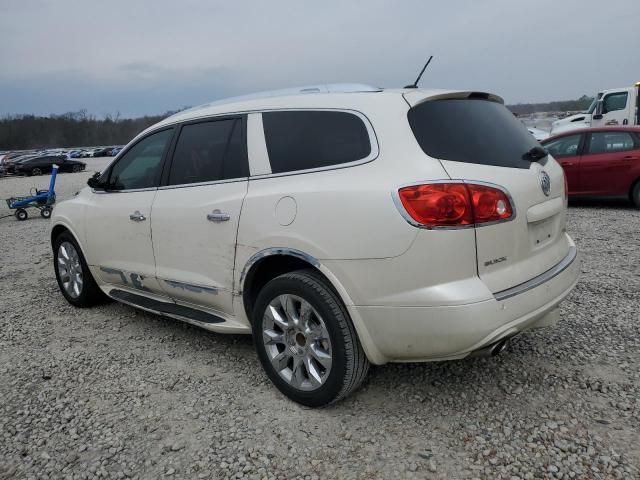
43 200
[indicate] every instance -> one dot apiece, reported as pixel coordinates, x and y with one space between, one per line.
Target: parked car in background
41 164
102 152
11 164
115 151
341 228
75 154
600 161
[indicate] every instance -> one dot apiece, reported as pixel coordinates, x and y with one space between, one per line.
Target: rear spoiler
416 97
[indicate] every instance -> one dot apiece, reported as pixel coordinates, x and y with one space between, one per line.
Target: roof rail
321 88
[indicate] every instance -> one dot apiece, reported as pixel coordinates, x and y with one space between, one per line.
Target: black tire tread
91 294
357 364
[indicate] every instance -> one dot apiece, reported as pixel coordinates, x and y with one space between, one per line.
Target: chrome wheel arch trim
371 351
268 252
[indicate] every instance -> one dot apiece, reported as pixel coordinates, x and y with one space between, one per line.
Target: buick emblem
545 183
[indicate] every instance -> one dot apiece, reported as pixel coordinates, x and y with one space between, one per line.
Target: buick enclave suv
342 225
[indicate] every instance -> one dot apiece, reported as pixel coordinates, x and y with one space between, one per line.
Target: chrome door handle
218 216
137 216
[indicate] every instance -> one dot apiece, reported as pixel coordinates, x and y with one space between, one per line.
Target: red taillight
455 204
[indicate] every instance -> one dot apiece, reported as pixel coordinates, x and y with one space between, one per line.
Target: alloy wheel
70 269
297 342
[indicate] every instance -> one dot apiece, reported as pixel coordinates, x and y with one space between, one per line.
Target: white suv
343 225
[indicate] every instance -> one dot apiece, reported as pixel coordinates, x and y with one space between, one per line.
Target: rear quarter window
472 131
303 140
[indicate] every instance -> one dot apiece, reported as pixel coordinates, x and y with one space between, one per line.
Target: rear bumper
408 334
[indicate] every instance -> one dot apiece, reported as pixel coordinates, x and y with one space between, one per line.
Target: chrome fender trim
267 252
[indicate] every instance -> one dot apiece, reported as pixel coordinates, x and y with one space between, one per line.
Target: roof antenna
415 84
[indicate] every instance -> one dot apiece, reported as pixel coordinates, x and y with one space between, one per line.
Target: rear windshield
471 131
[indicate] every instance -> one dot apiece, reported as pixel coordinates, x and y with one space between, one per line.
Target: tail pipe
491 350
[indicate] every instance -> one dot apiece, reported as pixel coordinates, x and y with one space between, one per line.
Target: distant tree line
78 129
560 106
74 129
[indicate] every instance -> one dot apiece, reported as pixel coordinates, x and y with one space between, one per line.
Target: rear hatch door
477 139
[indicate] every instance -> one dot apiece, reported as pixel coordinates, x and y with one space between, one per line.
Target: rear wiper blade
536 153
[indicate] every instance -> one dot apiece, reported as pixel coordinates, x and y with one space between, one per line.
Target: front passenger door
118 217
566 150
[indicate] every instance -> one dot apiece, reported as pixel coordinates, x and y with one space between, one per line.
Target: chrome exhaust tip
499 347
491 350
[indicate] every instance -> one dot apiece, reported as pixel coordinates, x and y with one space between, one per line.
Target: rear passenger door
607 162
196 213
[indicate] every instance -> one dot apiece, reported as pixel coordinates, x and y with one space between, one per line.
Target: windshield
471 131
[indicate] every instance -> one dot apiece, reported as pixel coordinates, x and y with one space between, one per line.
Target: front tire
305 340
72 273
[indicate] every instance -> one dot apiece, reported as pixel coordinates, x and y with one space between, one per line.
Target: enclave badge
545 183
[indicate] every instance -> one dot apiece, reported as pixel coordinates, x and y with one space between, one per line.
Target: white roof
254 101
341 95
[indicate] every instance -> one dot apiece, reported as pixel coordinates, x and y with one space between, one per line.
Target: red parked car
600 161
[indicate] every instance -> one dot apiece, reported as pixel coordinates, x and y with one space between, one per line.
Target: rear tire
45 212
36 171
73 275
311 351
76 168
635 194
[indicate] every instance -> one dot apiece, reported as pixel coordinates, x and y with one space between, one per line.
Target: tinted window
141 165
471 131
608 142
563 147
615 101
209 151
300 140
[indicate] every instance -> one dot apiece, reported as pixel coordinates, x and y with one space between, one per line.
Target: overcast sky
145 57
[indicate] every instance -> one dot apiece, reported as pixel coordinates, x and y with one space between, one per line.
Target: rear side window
609 142
208 152
302 140
471 131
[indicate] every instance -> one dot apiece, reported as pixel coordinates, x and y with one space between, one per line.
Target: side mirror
599 110
94 181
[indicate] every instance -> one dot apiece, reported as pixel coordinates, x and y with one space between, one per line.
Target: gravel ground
112 392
